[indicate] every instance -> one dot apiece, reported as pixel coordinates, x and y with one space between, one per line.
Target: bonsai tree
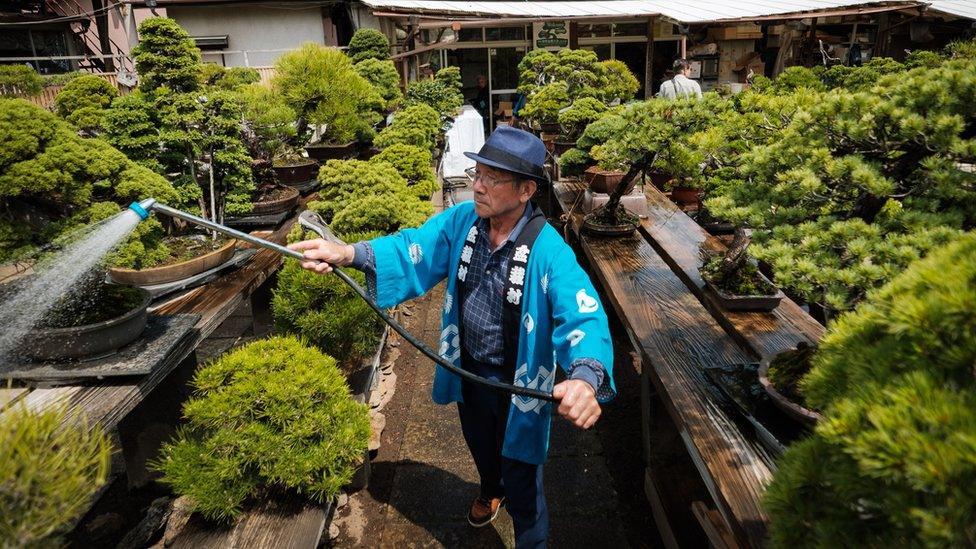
616 82
414 164
384 78
417 125
733 272
577 116
324 311
322 87
52 467
577 159
273 415
83 100
166 57
368 44
231 78
365 197
442 98
16 80
269 122
891 462
545 104
53 181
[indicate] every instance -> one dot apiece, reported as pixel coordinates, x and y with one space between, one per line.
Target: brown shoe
484 510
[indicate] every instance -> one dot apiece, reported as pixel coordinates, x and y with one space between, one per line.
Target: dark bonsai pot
175 271
605 181
284 199
755 303
561 146
293 174
365 153
89 340
550 127
325 151
792 408
660 179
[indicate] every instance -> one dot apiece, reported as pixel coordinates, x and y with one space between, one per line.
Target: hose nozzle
143 208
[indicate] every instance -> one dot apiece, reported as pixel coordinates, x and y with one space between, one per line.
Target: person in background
482 99
680 87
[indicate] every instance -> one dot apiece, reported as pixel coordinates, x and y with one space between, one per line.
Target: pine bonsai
274 415
166 57
52 467
83 101
368 44
892 463
443 98
17 80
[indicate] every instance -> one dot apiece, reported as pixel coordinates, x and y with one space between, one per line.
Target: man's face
495 192
480 81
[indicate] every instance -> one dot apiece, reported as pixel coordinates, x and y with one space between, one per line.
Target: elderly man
516 304
680 86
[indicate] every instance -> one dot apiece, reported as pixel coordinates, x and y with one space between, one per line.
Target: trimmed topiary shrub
273 415
19 80
368 44
83 101
166 57
414 164
892 464
52 467
417 125
443 98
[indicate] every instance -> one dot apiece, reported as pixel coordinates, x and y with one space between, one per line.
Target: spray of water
56 276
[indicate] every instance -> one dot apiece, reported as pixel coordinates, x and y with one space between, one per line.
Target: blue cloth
562 318
483 415
484 285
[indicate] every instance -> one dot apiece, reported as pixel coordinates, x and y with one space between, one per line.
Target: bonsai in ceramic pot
734 282
574 119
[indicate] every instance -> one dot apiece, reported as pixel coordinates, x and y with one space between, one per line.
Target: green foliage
442 97
892 463
370 196
743 281
166 57
382 74
863 77
325 312
794 78
18 80
270 121
414 164
616 83
52 467
574 162
583 111
417 125
83 101
368 44
231 78
50 177
275 414
450 77
61 79
546 102
322 87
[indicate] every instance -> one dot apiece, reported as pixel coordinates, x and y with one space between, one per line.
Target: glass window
470 35
594 30
602 51
630 29
505 33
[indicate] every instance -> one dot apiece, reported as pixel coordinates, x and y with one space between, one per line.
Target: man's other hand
577 402
322 255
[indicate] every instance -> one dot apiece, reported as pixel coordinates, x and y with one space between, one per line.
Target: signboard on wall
550 35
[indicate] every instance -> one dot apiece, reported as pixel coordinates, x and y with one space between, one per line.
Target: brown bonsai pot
683 195
793 409
285 199
176 271
88 340
296 173
326 151
605 181
660 179
560 147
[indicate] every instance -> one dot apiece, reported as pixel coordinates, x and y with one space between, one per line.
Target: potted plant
323 88
93 319
54 464
275 394
734 282
574 119
272 137
274 199
544 105
780 377
417 125
173 258
611 219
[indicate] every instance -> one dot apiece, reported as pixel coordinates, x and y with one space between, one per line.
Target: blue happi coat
562 317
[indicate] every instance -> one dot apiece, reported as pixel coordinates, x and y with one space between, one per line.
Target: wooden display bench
651 280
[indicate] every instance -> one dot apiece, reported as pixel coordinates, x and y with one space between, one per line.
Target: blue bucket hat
514 150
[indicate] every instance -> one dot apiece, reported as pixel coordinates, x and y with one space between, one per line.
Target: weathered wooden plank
678 338
289 525
10 395
680 240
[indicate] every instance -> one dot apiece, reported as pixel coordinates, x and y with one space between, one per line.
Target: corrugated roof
961 8
698 11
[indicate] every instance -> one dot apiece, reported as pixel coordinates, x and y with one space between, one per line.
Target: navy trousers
484 415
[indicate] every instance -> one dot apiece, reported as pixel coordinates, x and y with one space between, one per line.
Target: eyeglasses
489 181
